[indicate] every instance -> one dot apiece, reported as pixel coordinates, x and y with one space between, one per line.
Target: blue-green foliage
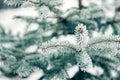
55 57
93 16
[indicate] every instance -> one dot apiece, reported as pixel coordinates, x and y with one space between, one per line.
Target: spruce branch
52 46
88 51
103 42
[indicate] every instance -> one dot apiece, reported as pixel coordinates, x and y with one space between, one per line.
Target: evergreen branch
60 54
18 53
102 42
43 49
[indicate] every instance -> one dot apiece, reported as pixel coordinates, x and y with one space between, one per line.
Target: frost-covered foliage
55 57
94 16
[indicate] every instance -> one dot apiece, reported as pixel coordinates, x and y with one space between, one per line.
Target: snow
17 26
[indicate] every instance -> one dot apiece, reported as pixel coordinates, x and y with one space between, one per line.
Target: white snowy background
17 26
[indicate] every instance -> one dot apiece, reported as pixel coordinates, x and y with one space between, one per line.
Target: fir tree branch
43 49
18 53
102 42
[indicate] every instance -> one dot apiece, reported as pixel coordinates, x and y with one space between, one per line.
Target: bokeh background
7 14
